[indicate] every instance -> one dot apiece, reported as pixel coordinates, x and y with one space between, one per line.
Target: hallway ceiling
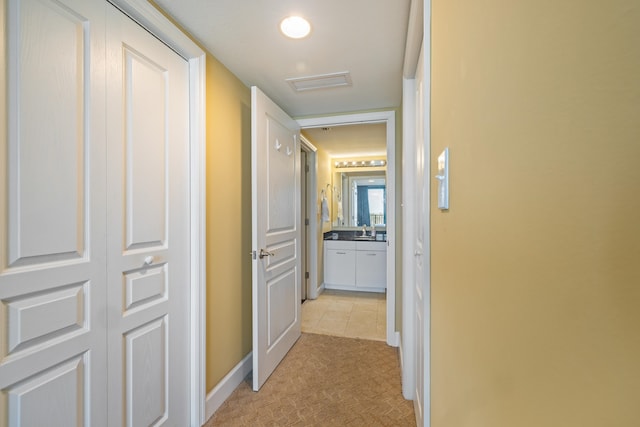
364 37
350 141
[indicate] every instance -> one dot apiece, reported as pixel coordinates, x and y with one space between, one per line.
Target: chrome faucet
364 231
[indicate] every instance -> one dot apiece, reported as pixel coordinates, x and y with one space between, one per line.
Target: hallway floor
324 381
338 373
346 314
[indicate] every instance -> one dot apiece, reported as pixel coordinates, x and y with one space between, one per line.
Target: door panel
146 364
277 276
148 251
145 287
47 201
281 308
52 273
63 308
38 401
145 89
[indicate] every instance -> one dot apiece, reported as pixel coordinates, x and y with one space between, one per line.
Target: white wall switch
443 180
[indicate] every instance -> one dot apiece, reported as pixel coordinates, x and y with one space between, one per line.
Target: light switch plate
443 180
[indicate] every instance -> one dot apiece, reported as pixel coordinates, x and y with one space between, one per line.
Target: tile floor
347 314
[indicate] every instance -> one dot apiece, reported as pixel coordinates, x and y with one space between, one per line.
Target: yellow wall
535 269
228 221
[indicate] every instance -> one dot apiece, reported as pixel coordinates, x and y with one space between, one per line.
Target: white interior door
52 214
148 223
276 233
421 248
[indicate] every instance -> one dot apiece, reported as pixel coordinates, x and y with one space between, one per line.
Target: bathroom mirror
359 199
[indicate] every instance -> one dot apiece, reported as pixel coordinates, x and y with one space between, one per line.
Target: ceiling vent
323 81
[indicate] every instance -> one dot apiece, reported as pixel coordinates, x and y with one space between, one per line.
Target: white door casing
148 218
52 214
312 229
387 117
407 351
416 229
276 234
420 246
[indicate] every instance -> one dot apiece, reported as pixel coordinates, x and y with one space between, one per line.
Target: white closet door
148 228
52 214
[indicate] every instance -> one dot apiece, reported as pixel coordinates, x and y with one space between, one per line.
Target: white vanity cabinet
355 265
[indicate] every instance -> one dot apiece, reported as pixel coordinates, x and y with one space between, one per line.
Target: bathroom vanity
356 265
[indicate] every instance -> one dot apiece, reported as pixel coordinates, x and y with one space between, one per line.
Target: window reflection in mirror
360 199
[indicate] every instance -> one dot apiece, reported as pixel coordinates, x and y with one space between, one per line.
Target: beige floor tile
365 306
364 331
331 326
342 306
309 323
346 313
363 318
335 315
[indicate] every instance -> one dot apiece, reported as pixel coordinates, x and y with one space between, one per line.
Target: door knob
264 253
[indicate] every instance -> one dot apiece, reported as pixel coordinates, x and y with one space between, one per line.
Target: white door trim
312 244
408 241
418 39
415 35
388 117
157 24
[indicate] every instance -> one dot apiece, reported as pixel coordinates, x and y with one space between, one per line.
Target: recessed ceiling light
295 27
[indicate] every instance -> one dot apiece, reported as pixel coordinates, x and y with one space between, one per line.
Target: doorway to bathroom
319 176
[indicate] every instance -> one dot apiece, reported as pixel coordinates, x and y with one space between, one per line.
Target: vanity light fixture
361 164
295 27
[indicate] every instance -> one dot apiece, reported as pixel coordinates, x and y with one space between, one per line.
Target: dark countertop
354 235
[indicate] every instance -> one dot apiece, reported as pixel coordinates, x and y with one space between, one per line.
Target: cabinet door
371 269
339 267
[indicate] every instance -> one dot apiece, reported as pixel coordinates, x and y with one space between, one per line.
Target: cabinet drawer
340 244
371 246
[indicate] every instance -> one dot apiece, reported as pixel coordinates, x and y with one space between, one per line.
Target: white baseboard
400 354
227 385
394 339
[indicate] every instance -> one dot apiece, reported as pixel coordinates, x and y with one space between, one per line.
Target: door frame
157 24
312 242
389 118
407 344
418 42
